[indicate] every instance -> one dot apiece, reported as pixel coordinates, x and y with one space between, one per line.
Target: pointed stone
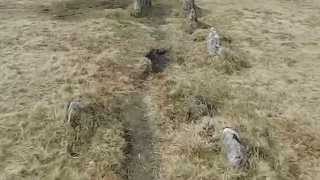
213 43
235 151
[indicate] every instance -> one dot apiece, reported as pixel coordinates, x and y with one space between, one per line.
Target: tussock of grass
213 94
42 139
244 109
231 61
266 158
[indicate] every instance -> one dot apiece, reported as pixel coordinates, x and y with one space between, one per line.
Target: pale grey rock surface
235 151
213 43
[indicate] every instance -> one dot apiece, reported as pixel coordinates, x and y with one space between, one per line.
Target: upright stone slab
140 6
73 114
213 43
235 151
188 5
193 16
80 123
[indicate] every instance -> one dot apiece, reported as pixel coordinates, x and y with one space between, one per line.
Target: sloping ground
273 104
55 51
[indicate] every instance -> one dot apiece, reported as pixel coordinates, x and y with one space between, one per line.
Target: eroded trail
142 162
142 129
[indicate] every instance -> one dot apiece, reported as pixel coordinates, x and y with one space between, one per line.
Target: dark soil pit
159 59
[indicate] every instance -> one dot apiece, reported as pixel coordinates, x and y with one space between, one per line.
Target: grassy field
149 126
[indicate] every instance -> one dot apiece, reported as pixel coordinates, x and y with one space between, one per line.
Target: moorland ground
268 89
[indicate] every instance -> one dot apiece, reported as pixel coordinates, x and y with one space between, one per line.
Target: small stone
140 7
235 151
188 5
193 16
73 126
73 113
214 46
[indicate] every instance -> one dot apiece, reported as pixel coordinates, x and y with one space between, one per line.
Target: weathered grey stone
213 43
235 151
189 10
73 113
193 16
140 6
188 5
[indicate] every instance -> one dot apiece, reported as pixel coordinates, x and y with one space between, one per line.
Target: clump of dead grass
231 61
244 109
213 93
42 139
249 114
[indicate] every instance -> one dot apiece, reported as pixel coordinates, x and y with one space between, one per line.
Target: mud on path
141 162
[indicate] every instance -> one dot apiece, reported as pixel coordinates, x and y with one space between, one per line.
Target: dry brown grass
266 87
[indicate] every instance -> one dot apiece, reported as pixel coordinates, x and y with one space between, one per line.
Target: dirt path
143 149
141 162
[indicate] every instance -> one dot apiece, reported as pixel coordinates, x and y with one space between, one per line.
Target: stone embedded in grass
159 59
188 6
235 151
192 21
190 11
81 123
193 16
73 113
213 43
140 7
208 123
73 125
